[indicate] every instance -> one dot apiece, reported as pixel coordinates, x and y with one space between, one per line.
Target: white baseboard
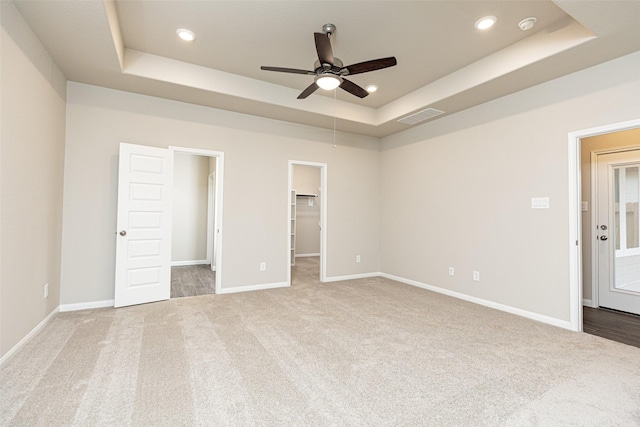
30 335
352 277
587 302
232 290
306 255
506 308
192 262
86 305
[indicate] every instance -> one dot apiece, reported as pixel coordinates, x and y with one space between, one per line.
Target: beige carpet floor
361 352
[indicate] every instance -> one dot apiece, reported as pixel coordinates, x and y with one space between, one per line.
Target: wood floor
195 280
192 280
612 325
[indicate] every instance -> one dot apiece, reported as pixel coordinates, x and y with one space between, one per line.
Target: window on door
627 221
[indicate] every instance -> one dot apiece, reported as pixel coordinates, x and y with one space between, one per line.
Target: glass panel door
627 228
618 230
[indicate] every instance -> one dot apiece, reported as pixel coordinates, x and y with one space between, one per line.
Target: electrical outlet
452 271
46 290
476 276
357 258
263 266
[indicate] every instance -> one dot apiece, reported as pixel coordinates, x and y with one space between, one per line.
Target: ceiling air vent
420 116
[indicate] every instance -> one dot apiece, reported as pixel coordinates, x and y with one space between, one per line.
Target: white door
143 248
618 230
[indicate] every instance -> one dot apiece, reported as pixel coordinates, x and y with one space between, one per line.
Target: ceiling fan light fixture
186 35
485 22
371 88
328 70
328 81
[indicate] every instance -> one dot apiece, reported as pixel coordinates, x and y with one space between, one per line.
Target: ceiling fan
329 71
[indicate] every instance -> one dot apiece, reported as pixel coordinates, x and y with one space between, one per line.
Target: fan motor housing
337 66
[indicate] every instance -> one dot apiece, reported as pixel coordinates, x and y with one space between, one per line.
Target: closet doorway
307 219
196 223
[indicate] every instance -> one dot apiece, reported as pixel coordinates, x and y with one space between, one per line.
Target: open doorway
586 145
144 224
196 216
610 199
307 222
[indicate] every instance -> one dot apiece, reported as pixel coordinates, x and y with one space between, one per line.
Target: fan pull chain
334 117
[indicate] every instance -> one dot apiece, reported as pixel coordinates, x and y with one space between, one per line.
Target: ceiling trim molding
168 70
525 52
114 29
551 41
532 49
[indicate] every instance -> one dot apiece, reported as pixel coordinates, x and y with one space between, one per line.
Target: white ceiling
443 61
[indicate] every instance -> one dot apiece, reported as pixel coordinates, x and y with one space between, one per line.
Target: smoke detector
527 23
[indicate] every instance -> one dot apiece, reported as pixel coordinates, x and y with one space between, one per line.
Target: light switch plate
539 203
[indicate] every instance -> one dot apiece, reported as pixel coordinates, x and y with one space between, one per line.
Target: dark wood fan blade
374 64
288 70
308 91
353 88
323 47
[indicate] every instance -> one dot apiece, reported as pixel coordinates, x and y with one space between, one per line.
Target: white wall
306 180
190 204
457 192
255 207
31 169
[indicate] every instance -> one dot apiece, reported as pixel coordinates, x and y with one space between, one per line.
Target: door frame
323 216
218 202
575 220
211 219
594 220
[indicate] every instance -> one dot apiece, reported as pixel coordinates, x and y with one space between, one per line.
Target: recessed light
186 35
371 88
527 23
486 22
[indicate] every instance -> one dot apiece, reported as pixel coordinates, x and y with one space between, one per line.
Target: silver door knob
123 233
603 237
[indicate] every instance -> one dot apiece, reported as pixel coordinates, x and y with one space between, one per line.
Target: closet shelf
306 195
